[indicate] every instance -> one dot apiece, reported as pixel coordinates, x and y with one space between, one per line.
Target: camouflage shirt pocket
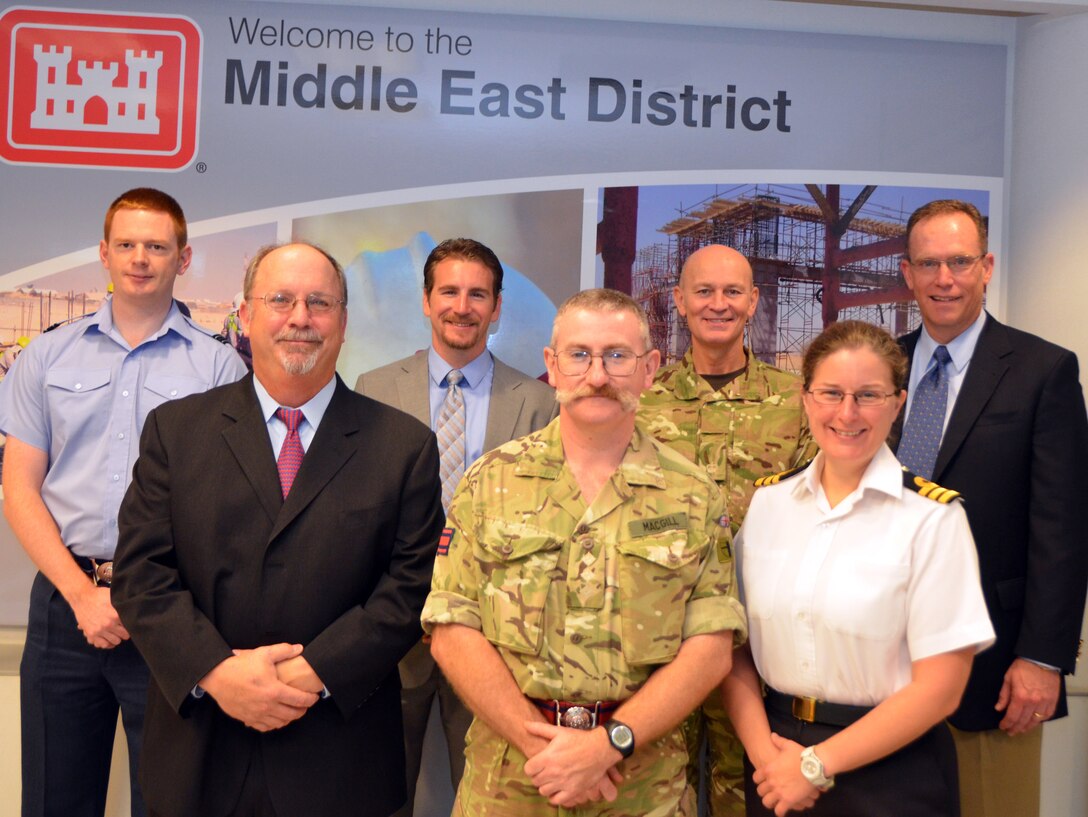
656 576
517 565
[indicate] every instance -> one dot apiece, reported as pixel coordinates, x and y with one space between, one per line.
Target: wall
1047 287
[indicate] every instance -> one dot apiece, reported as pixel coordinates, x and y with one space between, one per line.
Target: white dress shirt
960 349
841 600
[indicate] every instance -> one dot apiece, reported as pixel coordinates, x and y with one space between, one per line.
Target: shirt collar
173 322
640 465
884 474
473 372
313 409
960 348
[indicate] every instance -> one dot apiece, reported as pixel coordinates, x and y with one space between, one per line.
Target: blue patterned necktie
923 429
450 430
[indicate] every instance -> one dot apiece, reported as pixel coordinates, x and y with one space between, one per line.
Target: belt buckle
804 709
578 717
102 573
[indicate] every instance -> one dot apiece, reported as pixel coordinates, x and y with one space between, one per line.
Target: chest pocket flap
518 564
78 380
657 574
173 386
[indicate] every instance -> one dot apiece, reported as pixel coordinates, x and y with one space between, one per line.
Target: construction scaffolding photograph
818 253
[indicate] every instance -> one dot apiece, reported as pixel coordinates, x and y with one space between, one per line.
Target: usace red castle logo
99 89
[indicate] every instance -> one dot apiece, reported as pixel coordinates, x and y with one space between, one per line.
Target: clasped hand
265 688
779 781
577 766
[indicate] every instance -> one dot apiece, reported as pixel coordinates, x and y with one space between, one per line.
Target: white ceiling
1000 7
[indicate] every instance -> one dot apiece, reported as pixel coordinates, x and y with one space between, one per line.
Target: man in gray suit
462 296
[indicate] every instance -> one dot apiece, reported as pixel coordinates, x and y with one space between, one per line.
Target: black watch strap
621 737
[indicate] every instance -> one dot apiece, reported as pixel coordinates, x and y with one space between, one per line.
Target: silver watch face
621 736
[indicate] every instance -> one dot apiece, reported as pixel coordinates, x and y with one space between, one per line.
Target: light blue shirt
312 412
960 349
81 394
476 388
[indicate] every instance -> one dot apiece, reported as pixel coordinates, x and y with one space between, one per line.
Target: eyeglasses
957 264
833 397
318 303
616 362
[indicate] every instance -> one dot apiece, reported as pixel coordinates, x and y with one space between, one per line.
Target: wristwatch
813 770
621 737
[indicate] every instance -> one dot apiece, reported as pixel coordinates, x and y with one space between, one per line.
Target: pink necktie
290 459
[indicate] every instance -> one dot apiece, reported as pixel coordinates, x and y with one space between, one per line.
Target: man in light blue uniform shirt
462 297
73 407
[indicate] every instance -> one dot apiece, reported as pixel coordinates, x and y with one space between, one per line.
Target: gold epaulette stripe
928 488
773 479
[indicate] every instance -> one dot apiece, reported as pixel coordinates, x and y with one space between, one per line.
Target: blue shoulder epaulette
772 479
67 321
928 488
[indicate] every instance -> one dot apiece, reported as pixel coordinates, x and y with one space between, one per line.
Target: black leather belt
812 711
101 573
577 716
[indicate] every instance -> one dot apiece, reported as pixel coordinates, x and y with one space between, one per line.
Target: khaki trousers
999 775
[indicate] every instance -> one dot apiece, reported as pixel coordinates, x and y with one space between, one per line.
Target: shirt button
576 638
116 477
587 544
124 393
79 386
173 392
673 558
120 435
507 549
582 529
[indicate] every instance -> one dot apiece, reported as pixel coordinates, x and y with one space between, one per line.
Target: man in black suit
1014 442
273 596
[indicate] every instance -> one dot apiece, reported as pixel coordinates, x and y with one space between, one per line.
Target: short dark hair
947 207
148 198
463 249
855 335
267 249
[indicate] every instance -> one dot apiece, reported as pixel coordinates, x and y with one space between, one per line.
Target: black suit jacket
1016 446
211 558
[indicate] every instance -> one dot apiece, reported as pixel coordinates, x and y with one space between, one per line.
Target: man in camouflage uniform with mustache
585 578
740 419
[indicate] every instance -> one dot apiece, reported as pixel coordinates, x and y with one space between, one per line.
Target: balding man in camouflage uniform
739 418
585 577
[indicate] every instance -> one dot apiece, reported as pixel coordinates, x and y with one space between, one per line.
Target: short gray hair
605 300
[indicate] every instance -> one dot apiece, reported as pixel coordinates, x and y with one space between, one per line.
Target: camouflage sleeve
713 605
454 596
806 445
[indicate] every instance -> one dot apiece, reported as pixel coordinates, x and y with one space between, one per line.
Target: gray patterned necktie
925 425
450 430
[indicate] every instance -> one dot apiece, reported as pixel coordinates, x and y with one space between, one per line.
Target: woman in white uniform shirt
861 585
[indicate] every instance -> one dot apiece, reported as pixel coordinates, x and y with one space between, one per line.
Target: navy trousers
70 693
919 780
